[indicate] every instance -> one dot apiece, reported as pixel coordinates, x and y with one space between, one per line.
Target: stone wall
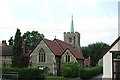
50 61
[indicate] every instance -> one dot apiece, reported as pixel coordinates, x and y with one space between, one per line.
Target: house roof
113 44
7 50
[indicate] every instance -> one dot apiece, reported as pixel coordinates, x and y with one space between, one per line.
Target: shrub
25 73
70 69
86 73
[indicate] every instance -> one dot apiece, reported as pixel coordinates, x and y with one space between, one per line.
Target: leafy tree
96 51
11 41
31 39
85 52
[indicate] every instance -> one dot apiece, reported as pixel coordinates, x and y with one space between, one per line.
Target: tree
31 39
17 48
11 41
96 51
85 52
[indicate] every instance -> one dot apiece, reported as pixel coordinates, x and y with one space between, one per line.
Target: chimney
4 42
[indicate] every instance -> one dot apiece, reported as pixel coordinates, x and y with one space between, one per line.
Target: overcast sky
95 20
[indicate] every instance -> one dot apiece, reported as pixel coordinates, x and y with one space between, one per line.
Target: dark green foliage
21 61
70 70
25 73
95 51
17 48
11 41
46 71
86 73
86 52
32 38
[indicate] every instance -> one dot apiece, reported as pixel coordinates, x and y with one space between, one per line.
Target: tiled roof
62 44
54 47
76 53
58 47
73 50
7 50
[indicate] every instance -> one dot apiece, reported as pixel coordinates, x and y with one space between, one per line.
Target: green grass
55 78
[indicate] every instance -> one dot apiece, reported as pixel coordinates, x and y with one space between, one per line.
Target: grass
55 78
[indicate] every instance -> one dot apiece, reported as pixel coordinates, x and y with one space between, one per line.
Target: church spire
72 25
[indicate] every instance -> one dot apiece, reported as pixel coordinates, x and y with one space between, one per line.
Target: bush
25 73
70 70
86 73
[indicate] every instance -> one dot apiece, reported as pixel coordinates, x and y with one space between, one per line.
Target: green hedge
70 69
86 73
24 73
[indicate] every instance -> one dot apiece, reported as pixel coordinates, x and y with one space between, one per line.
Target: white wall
107 65
107 62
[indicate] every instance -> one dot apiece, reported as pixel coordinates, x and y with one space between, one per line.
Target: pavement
98 77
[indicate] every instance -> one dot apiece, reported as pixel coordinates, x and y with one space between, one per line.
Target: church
51 54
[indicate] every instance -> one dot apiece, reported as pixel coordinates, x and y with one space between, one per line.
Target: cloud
53 17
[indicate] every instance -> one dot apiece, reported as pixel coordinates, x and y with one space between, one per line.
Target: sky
95 20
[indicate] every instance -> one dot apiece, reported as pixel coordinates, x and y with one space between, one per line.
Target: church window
42 56
67 57
70 40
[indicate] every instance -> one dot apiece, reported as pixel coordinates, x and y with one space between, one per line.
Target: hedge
70 70
25 73
86 73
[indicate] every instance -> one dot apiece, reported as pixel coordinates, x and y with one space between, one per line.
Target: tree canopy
31 39
96 51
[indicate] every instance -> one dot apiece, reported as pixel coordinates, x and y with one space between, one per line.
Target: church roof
62 44
72 25
73 50
58 47
54 47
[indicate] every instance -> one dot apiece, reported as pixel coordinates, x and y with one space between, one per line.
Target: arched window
41 55
67 57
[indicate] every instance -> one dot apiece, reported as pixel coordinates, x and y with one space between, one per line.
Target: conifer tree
17 49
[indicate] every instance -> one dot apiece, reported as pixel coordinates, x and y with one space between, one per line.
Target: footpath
98 77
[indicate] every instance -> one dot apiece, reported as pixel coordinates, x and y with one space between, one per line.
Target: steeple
72 25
